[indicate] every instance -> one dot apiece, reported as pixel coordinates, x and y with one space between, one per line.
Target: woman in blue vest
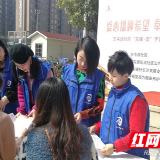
126 110
9 100
86 83
29 72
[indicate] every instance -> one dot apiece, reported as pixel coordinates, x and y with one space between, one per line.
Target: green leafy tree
77 9
58 69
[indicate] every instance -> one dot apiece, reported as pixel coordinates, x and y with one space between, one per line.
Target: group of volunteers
67 110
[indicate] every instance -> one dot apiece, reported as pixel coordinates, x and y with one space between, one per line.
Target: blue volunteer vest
83 94
7 84
115 122
42 75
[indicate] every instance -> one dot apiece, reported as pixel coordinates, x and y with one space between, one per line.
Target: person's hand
23 133
18 114
2 106
3 103
77 117
32 113
107 150
92 129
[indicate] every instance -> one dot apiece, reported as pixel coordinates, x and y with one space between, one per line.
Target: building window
38 49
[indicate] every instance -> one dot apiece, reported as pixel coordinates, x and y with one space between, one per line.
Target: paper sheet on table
20 123
98 144
119 156
97 141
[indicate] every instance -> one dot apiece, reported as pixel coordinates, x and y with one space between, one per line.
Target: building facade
47 45
35 15
7 17
43 15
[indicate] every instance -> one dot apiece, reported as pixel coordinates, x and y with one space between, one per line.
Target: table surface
120 155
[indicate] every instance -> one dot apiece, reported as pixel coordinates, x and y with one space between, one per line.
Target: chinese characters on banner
134 28
137 26
144 66
130 25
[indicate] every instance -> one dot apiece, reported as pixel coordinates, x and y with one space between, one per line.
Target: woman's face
81 60
2 53
24 67
118 80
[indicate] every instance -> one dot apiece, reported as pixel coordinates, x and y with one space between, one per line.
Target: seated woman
55 134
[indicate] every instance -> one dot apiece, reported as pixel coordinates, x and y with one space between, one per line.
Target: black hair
92 53
34 68
121 62
1 82
53 105
4 47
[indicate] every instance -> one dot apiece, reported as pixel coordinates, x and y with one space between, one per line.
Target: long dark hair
53 105
34 68
1 83
92 53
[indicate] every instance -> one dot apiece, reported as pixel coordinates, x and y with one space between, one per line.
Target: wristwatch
114 149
